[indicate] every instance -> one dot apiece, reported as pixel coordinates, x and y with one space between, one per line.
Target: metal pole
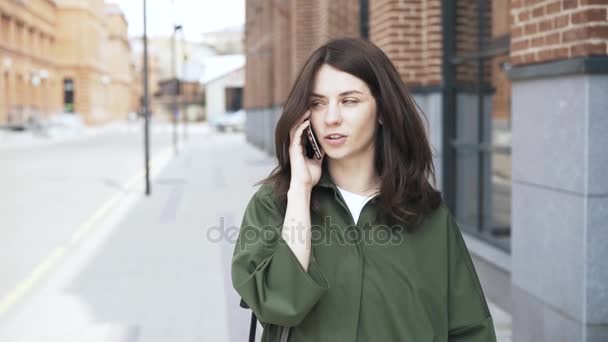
184 114
481 222
448 116
174 87
146 109
364 19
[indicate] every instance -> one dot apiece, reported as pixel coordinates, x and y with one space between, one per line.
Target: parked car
231 121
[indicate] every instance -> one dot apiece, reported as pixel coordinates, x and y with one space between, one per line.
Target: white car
234 121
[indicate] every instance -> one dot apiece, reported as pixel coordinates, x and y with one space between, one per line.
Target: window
234 98
479 133
68 95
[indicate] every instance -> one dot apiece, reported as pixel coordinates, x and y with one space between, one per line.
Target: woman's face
342 103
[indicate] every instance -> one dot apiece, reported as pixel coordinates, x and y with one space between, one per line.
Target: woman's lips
336 142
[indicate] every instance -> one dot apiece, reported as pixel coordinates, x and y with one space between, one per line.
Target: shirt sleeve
469 317
265 271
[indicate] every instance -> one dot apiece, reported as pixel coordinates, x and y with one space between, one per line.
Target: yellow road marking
28 283
52 259
112 202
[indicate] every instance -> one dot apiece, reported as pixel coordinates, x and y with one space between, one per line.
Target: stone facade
45 44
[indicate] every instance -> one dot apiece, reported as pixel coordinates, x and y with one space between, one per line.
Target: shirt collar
325 180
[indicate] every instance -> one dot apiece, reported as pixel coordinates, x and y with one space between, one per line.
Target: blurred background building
64 56
193 64
224 85
514 92
75 56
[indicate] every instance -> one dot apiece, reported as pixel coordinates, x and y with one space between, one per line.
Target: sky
196 16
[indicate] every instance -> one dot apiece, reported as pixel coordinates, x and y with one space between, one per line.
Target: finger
294 130
303 118
298 133
300 120
301 128
306 115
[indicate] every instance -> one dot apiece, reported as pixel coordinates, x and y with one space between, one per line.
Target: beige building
153 82
64 56
27 34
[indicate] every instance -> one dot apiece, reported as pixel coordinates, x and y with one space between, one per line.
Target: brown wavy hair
403 156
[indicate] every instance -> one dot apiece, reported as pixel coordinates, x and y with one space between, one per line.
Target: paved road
50 191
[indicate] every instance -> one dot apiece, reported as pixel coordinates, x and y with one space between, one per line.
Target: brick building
515 96
64 55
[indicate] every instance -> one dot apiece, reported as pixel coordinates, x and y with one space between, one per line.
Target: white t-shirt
355 202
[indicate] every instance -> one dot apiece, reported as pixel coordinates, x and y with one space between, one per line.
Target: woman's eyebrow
344 93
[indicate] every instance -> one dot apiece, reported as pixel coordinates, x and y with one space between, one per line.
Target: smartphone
312 147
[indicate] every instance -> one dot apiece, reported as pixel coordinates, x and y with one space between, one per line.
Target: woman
357 246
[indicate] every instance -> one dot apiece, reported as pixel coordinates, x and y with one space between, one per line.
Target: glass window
480 140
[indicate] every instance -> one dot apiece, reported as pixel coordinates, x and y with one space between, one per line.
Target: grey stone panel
559 133
547 246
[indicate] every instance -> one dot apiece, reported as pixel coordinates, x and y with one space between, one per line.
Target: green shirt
364 283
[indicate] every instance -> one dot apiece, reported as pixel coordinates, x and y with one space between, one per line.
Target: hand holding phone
305 164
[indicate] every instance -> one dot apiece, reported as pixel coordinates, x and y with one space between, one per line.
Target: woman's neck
354 176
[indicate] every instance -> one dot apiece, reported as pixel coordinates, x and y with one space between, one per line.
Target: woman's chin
335 155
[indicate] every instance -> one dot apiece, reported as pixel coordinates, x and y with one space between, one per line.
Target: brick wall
409 32
258 46
339 18
557 29
282 52
281 34
466 34
304 30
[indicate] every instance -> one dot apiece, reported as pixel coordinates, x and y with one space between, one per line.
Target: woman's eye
350 101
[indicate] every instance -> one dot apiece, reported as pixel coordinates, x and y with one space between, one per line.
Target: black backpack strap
253 324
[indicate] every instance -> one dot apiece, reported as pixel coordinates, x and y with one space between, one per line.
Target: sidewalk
54 133
157 272
57 133
502 323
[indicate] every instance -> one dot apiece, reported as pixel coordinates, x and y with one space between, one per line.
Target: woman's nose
332 115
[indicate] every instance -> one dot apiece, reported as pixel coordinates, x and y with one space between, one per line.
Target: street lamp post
146 110
175 85
184 60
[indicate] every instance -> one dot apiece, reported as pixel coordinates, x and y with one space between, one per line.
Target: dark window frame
483 148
